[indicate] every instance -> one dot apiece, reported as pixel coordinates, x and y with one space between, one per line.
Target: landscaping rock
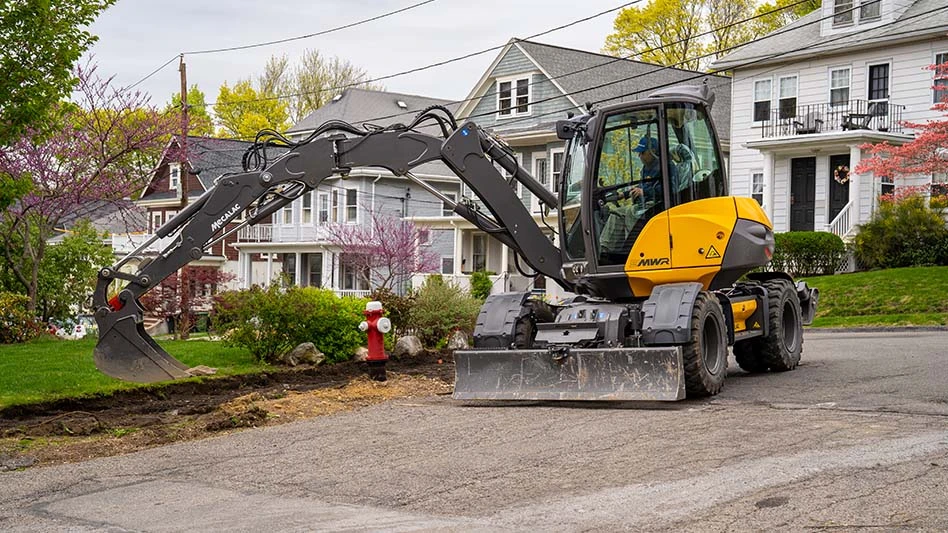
458 341
201 370
306 353
361 354
408 345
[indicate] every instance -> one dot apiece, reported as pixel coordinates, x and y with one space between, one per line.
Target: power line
425 67
323 32
132 86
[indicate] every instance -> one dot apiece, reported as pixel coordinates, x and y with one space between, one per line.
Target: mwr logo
654 262
216 225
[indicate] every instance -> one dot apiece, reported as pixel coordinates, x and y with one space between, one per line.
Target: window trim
868 20
829 85
354 205
174 182
754 100
319 208
796 94
753 174
304 210
850 11
513 80
943 77
556 175
869 65
447 211
157 220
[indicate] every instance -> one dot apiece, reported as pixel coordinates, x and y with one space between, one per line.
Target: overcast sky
137 36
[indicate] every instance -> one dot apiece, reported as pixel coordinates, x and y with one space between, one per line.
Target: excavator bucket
610 374
125 351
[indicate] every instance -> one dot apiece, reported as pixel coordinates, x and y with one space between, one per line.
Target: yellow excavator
665 271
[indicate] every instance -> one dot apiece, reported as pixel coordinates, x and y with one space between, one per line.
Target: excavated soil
79 429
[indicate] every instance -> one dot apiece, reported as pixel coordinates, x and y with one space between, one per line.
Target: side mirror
565 129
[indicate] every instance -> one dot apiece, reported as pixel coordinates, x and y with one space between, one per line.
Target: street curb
877 329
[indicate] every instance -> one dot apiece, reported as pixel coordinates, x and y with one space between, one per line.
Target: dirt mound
78 429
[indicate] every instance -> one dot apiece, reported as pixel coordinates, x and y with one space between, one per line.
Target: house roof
357 106
114 217
802 38
602 79
208 158
379 108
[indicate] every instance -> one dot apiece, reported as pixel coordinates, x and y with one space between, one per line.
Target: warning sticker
712 254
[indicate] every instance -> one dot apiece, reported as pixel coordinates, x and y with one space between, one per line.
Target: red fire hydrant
376 326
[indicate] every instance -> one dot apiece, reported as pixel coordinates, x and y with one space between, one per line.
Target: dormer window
401 104
842 13
870 10
174 176
513 97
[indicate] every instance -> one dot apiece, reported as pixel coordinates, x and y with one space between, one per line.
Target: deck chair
812 122
860 121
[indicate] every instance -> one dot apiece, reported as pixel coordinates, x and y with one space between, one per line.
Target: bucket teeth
125 351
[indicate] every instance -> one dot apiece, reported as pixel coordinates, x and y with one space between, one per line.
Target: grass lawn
895 297
49 368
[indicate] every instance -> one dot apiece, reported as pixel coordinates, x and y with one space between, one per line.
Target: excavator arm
127 352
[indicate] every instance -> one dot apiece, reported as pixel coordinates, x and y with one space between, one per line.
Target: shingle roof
114 217
802 37
602 79
381 108
212 157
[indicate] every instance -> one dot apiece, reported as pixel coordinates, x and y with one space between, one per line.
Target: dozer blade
610 374
125 351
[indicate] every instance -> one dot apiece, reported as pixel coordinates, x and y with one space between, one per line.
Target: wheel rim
790 333
711 344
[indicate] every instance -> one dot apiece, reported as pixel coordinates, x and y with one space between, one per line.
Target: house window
514 184
447 210
287 217
941 77
557 170
352 198
843 13
513 97
306 214
540 171
757 187
174 176
839 86
336 193
424 236
762 93
354 278
479 252
879 82
870 10
447 265
787 86
156 220
323 208
886 185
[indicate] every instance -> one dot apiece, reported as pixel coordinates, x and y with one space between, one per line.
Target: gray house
298 242
527 88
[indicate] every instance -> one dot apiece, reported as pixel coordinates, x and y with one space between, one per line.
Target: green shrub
481 284
270 322
441 308
808 253
16 324
397 307
902 234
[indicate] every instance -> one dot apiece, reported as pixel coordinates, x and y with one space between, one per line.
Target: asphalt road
855 439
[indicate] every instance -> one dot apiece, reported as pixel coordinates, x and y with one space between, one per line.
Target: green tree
199 120
681 33
243 111
312 82
44 39
67 272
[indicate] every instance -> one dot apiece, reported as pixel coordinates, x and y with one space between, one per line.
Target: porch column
266 283
769 184
299 269
248 272
504 258
458 250
855 185
243 280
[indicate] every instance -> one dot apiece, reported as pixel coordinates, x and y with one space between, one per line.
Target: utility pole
184 292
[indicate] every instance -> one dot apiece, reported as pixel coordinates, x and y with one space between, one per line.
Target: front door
802 193
838 192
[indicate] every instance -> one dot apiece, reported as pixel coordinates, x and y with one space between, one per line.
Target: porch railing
842 225
790 121
354 293
257 233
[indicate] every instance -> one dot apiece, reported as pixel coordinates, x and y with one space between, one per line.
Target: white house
807 98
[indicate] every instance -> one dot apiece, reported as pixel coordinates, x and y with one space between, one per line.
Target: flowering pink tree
926 154
179 295
388 249
102 149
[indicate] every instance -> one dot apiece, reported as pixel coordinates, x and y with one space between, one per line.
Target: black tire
780 350
705 356
525 330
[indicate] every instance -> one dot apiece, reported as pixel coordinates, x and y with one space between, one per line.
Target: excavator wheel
526 329
705 356
780 350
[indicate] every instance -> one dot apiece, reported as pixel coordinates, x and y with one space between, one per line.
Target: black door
838 192
802 193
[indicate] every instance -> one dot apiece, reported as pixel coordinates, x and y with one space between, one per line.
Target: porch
814 119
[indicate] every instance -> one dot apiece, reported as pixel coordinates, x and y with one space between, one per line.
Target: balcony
126 243
854 115
257 233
